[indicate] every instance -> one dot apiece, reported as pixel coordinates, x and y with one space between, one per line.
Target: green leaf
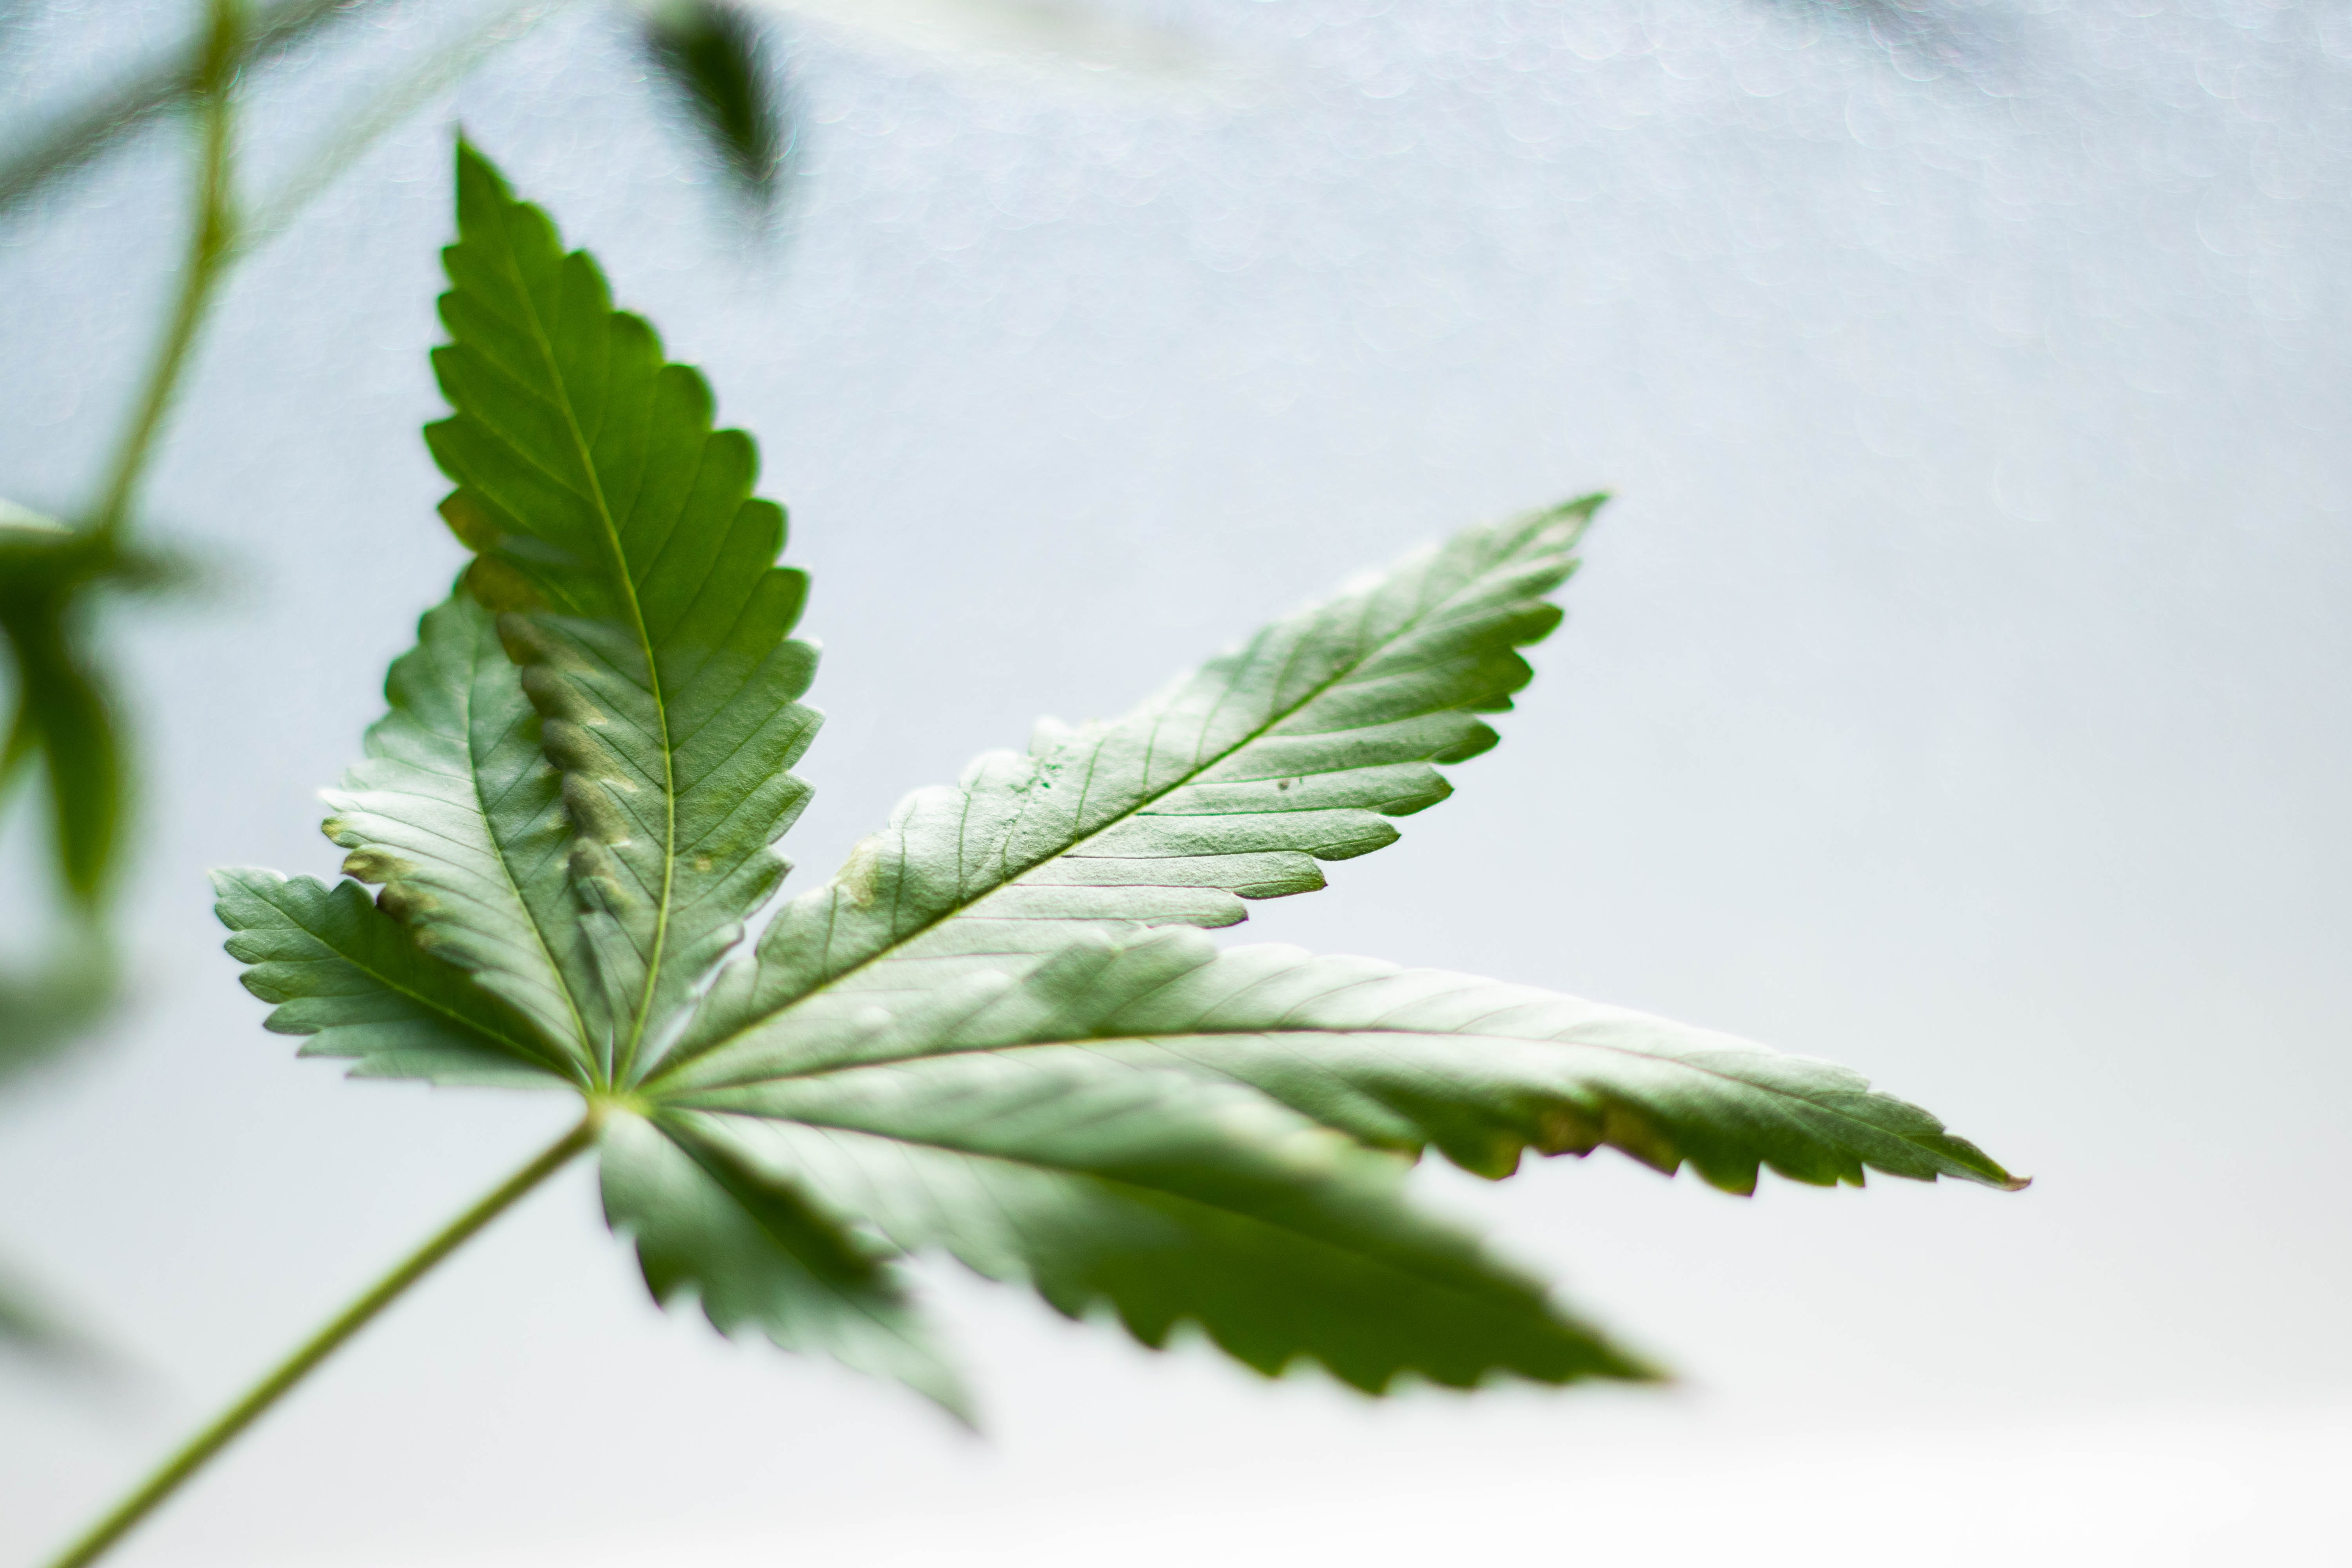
760 1253
69 141
339 970
61 724
64 718
712 53
995 1032
619 531
1168 1199
459 814
1404 1058
44 1009
1299 746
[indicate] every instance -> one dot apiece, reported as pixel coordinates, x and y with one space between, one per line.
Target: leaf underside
617 529
998 1031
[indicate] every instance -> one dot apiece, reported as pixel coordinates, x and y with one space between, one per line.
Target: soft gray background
1955 691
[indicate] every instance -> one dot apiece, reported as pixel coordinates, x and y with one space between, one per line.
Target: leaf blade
618 529
1299 746
460 818
64 717
1170 1200
1404 1058
760 1253
341 971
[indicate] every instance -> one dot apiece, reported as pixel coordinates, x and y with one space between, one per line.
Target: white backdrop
1955 690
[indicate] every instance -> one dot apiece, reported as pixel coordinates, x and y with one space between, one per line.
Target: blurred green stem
80 136
212 234
174 1472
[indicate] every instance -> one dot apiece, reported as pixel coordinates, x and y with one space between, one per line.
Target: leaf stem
198 1450
212 231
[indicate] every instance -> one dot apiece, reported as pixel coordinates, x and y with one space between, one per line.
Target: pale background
1955 690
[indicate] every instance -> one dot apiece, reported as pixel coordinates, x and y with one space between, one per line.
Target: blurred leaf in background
718 58
23 1323
65 749
1925 41
65 142
62 722
63 727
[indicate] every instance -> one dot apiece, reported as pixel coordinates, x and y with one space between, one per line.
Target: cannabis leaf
996 1033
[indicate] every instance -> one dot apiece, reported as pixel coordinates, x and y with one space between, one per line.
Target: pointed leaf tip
616 529
759 1253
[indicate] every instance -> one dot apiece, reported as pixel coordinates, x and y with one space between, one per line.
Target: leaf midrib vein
541 340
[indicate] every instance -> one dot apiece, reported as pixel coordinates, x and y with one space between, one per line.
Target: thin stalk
78 136
174 1472
212 234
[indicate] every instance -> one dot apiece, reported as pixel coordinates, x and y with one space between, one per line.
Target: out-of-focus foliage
24 1324
73 139
715 54
63 723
